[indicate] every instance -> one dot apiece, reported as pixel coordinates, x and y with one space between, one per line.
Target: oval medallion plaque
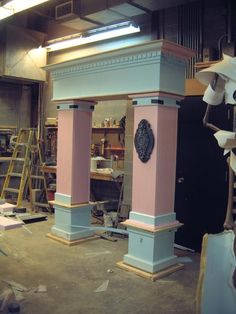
144 140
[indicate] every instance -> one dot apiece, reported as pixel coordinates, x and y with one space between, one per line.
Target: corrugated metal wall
190 24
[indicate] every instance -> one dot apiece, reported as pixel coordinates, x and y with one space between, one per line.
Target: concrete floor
72 274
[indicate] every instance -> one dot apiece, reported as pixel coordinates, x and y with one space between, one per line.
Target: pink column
73 157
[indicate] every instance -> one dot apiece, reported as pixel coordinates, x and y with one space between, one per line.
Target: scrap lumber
8 223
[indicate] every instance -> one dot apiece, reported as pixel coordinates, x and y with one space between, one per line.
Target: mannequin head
221 81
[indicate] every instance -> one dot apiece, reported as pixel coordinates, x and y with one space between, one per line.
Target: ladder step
41 204
15 174
22 144
18 159
11 190
37 177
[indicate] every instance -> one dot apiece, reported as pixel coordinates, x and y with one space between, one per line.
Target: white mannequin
221 81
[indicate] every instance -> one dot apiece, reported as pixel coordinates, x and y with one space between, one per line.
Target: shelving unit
51 143
112 138
113 141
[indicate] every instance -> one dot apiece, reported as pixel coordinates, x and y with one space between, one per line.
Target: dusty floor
72 274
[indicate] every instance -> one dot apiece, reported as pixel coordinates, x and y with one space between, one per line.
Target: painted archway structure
153 76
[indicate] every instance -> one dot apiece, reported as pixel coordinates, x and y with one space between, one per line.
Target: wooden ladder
17 173
37 180
21 170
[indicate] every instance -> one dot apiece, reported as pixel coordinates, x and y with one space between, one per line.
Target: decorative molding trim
160 94
110 64
144 140
62 198
152 220
122 57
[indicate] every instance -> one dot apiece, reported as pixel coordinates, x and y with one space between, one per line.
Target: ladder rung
22 144
18 159
28 129
41 204
11 190
15 174
37 177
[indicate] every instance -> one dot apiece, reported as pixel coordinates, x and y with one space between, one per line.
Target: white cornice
149 67
120 57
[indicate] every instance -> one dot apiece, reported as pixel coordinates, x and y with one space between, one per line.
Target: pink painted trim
157 228
177 50
157 94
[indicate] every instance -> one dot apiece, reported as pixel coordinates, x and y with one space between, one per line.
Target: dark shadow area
202 174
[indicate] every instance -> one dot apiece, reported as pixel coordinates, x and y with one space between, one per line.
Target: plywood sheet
6 207
7 223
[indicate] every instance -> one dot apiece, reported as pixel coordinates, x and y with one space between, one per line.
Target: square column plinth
151 248
152 222
73 222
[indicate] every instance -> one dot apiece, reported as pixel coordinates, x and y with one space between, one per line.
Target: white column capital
156 99
76 104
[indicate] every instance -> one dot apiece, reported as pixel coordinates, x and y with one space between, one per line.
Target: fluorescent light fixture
98 34
15 6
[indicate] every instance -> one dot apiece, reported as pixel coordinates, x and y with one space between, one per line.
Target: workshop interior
117 156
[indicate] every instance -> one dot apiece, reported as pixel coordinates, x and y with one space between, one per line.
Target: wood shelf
115 129
115 148
205 64
194 88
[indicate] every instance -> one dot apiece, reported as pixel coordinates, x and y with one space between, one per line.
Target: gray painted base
72 223
151 251
150 267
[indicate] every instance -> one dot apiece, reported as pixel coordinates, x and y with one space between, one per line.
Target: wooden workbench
93 175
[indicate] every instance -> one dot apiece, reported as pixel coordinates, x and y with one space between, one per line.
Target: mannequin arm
206 118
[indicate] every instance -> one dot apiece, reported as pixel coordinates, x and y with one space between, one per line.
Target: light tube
92 36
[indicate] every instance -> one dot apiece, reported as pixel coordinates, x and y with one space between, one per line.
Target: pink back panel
73 157
154 181
81 157
144 178
64 151
166 160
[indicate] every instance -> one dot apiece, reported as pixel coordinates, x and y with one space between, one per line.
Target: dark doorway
201 174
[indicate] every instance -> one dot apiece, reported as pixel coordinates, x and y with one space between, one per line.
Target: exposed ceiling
63 17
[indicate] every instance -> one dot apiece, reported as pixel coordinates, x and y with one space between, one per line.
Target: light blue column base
72 223
151 251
